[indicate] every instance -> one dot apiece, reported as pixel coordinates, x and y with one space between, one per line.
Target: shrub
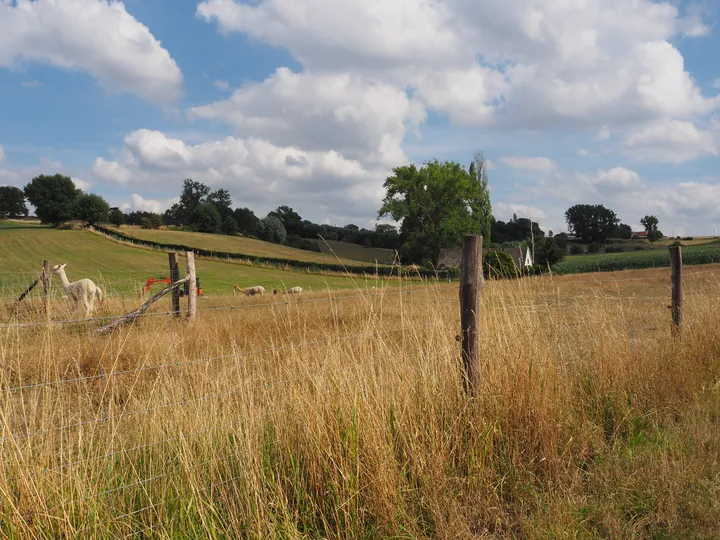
151 221
577 249
639 248
302 243
688 238
498 265
91 208
614 249
271 229
595 247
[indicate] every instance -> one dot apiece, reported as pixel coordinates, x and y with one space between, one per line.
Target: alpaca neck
64 280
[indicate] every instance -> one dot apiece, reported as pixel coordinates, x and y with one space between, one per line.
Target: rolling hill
123 269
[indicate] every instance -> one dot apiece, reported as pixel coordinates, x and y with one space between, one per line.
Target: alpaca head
58 268
275 291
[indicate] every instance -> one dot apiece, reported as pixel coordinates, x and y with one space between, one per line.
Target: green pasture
122 269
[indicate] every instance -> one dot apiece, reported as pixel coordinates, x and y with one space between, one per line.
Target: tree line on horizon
435 204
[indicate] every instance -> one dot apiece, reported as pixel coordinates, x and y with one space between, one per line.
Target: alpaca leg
87 308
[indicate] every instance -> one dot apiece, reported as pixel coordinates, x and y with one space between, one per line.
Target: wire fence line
109 418
109 318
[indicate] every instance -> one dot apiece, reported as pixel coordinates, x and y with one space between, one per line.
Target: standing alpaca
83 290
250 291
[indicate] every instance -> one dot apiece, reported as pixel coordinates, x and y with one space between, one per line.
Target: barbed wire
108 318
107 419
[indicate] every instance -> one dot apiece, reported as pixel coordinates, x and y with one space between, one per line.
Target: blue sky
310 103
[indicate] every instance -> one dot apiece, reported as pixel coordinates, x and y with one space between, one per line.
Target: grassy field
122 269
357 252
346 418
235 244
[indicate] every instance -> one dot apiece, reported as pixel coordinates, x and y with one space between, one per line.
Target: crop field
236 244
356 252
609 262
342 414
122 269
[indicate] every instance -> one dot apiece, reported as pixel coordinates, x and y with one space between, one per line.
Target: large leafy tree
271 229
206 218
221 200
246 220
12 202
478 171
91 208
548 252
193 195
53 197
591 222
116 217
291 220
437 205
624 231
651 226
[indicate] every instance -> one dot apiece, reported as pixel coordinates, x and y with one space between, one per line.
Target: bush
688 238
206 218
639 248
302 243
499 265
614 249
91 208
595 247
151 221
271 229
577 249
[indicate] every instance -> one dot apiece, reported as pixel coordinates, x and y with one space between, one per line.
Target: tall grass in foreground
591 420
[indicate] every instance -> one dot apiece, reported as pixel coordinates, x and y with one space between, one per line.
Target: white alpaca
83 290
251 291
293 290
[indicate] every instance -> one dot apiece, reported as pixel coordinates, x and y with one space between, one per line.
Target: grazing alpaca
251 291
83 290
293 290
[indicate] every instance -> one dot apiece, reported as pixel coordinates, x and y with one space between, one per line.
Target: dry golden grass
346 418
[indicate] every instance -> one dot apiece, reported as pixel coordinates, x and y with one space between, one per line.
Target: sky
311 103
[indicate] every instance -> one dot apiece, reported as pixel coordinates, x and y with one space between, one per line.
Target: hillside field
356 252
123 269
235 244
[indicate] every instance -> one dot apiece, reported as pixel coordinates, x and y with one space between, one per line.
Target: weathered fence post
192 285
174 276
677 292
471 282
46 288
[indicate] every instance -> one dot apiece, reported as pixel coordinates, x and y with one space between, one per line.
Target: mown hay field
342 415
122 269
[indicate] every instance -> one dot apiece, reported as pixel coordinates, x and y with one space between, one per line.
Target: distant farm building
639 235
449 258
522 257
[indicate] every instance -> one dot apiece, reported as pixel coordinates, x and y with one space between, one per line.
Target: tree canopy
591 222
271 229
478 171
12 202
651 226
53 197
91 208
437 205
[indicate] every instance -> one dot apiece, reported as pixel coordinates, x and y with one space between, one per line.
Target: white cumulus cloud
97 36
359 119
111 171
256 172
222 85
671 141
140 204
533 164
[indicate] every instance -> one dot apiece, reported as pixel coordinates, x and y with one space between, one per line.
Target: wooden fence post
471 282
192 285
46 288
677 292
174 276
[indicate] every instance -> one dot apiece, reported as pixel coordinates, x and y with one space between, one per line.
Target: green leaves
437 205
